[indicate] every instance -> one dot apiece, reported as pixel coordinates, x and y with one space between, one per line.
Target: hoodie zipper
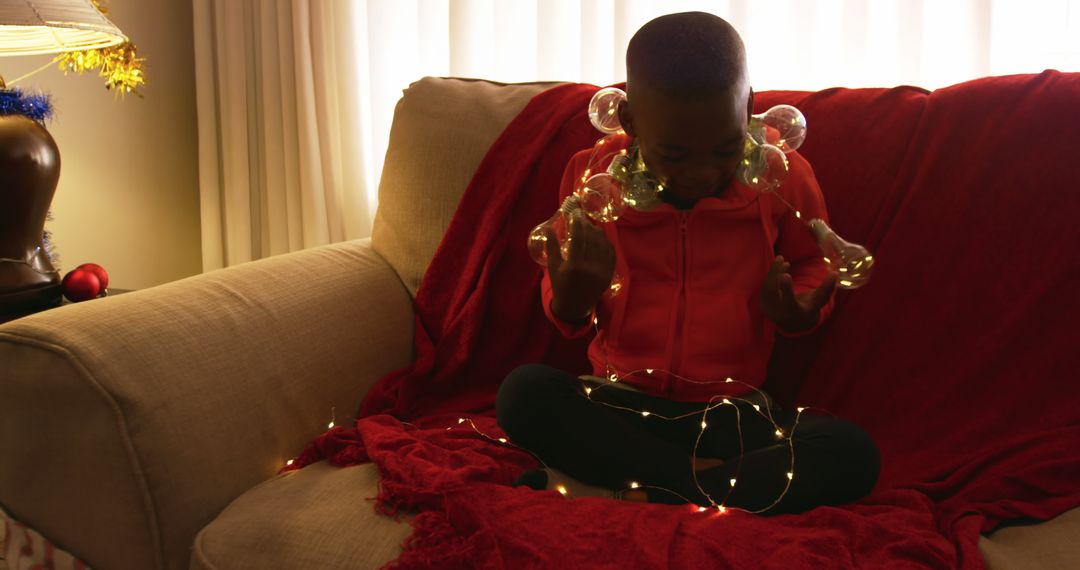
680 311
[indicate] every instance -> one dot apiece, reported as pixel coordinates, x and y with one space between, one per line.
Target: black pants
547 411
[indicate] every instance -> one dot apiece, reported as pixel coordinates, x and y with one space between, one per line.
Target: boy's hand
791 312
578 281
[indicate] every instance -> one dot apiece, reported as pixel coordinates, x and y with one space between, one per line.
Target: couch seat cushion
315 517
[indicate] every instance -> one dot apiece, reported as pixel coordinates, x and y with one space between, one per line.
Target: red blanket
956 357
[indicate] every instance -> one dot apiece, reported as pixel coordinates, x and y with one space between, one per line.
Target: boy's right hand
578 281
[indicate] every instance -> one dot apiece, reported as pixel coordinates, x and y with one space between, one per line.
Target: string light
645 414
289 462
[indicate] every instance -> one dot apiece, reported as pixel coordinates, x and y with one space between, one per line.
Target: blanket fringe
433 544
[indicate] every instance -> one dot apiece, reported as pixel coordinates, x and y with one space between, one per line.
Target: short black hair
689 53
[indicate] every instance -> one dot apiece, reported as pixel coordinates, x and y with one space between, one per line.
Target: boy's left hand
790 311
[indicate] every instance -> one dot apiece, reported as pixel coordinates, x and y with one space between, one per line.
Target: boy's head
688 102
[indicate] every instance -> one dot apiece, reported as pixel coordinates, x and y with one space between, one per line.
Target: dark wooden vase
29 171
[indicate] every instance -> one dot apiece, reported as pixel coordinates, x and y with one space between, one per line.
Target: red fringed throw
957 357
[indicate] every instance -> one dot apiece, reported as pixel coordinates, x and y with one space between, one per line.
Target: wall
127 197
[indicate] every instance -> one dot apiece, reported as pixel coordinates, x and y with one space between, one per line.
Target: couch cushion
442 129
1049 545
315 517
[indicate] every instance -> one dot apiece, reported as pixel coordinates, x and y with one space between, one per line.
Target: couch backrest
442 128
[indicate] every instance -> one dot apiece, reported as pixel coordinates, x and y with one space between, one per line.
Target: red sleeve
573 172
794 240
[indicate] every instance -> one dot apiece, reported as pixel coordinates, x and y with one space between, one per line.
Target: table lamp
29 158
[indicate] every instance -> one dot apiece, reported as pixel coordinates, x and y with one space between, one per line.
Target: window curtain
282 157
290 68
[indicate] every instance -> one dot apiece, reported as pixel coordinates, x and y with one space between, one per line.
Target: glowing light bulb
634 485
779 433
732 482
727 401
721 508
757 408
644 414
704 425
701 509
330 425
602 198
790 475
851 260
502 440
648 370
729 380
588 391
613 378
765 167
289 462
603 108
785 127
800 409
562 490
461 420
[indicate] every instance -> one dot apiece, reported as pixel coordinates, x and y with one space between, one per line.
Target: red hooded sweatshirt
688 315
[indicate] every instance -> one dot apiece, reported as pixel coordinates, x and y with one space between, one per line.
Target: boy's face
693 144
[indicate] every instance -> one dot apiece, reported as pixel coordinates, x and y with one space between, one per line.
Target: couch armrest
128 423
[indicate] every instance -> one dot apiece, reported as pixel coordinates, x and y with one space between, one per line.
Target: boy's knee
521 395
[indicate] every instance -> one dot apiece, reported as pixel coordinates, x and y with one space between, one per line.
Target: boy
704 293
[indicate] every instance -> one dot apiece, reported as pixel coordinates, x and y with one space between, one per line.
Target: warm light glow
634 485
330 425
729 380
502 440
790 475
779 433
800 409
289 462
721 508
757 408
648 370
704 425
644 414
732 482
561 489
588 391
461 420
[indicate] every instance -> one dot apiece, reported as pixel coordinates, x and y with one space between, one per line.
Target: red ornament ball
99 271
81 285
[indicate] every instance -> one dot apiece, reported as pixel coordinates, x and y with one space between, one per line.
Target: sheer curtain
282 155
791 44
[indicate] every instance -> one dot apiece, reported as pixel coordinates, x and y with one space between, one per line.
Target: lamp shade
29 27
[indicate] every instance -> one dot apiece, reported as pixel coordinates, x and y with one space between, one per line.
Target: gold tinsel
119 65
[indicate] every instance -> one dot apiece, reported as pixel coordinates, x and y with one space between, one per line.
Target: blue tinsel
36 106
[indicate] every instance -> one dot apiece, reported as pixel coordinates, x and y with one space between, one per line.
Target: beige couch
146 430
